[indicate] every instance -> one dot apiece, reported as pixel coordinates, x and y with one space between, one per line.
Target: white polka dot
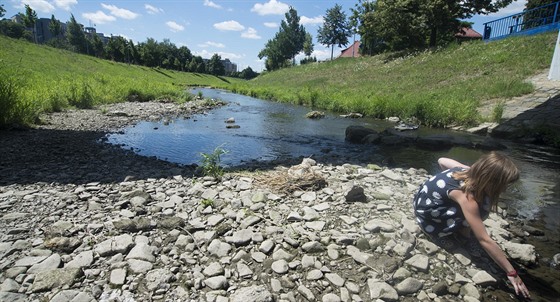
432 178
451 211
450 222
430 228
449 174
424 189
435 213
436 195
428 201
441 183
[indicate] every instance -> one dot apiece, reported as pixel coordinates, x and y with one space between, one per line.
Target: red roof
352 51
468 33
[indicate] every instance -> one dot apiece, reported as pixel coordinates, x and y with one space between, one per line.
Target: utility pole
554 73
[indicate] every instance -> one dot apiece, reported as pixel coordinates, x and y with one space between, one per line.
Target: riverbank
88 221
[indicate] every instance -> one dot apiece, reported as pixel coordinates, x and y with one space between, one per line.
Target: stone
115 245
217 282
251 293
381 290
52 262
409 286
356 194
48 280
117 277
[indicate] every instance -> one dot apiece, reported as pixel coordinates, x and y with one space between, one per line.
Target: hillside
439 87
36 78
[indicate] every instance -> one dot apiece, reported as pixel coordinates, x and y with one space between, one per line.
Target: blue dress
436 213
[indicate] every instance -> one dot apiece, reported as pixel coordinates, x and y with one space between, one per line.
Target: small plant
199 94
498 112
211 162
207 202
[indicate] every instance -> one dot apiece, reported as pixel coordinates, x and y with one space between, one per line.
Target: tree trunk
332 50
433 37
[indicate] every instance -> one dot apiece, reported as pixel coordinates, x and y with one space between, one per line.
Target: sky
234 29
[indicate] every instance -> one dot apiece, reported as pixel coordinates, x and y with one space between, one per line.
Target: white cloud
99 17
211 4
229 25
225 55
251 33
174 26
152 10
65 4
120 12
514 8
213 44
39 5
271 24
271 7
306 20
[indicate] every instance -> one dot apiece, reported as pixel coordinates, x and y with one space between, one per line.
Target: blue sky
234 29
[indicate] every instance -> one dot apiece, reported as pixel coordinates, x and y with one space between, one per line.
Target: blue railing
529 22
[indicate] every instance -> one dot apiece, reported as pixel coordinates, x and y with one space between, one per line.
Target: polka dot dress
436 213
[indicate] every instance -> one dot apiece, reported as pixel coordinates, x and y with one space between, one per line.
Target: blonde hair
488 176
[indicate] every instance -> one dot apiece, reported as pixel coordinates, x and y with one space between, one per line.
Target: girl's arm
471 212
448 163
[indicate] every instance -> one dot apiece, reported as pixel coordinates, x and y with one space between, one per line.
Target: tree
13 30
76 36
248 73
308 45
150 53
286 44
215 66
2 10
362 19
55 27
335 29
30 19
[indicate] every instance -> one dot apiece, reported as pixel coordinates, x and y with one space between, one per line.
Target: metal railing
529 22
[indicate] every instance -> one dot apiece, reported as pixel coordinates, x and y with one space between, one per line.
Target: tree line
150 53
382 25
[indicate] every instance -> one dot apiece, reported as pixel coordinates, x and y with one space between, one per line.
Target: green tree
335 29
13 29
134 55
97 47
76 36
399 24
150 53
363 20
308 45
55 27
2 10
29 20
286 44
215 66
248 73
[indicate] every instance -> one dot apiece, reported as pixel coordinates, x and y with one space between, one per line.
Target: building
229 66
467 34
352 51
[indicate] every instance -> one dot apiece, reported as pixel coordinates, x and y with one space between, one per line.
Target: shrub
211 162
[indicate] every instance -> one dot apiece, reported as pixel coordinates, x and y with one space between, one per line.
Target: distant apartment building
43 33
229 66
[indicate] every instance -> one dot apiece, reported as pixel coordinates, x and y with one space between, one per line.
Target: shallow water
271 131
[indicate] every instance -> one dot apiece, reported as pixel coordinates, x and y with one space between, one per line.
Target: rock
48 280
524 253
409 286
356 194
251 293
217 282
315 115
356 134
382 290
118 244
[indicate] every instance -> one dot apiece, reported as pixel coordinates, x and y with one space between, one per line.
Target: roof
469 33
352 51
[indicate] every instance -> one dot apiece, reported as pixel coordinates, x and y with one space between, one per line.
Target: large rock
55 278
251 293
357 134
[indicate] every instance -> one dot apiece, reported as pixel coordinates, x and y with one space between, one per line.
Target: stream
272 131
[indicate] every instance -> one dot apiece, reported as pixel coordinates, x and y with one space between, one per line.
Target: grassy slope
51 78
440 88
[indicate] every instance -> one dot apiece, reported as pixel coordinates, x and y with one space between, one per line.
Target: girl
457 200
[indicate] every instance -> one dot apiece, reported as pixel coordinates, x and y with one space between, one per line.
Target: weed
207 202
211 162
498 112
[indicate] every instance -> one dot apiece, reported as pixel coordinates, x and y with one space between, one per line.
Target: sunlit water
270 130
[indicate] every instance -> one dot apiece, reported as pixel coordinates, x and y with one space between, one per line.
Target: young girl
457 200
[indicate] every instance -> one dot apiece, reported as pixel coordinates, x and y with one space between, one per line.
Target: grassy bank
35 79
439 87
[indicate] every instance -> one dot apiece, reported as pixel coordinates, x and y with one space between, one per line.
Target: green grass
38 79
439 87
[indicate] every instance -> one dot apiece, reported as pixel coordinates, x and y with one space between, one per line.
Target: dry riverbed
81 220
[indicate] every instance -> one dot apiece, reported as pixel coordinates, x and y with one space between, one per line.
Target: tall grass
38 78
440 87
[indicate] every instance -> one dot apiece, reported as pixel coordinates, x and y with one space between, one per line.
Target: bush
211 162
13 108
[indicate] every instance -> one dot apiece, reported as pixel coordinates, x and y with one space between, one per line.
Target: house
467 34
352 51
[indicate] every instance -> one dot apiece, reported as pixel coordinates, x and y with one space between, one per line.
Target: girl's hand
519 286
